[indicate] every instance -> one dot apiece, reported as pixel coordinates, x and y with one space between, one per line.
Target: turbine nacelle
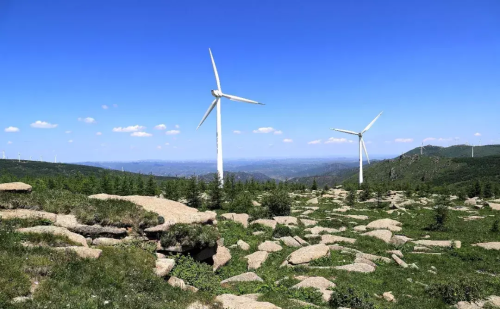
216 93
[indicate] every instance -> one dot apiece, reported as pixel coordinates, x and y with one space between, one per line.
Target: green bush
282 230
242 203
441 216
349 297
199 275
278 202
453 291
189 235
495 226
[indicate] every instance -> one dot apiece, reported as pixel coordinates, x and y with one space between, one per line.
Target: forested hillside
457 151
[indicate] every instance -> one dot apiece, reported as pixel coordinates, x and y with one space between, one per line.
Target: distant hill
329 174
41 169
239 176
457 151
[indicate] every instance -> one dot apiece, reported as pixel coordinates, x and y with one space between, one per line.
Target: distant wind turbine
19 157
218 95
422 149
3 154
41 158
362 145
55 159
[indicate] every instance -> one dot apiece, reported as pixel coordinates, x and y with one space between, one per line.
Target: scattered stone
230 301
27 214
421 248
221 257
357 267
329 239
360 228
471 201
18 187
269 246
489 245
308 222
105 241
389 224
256 259
365 261
257 233
399 261
435 243
301 241
286 220
241 218
179 283
396 252
266 222
246 277
309 253
384 235
243 245
198 305
399 240
290 241
83 252
163 266
494 206
319 283
20 299
389 297
373 257
313 201
55 230
319 229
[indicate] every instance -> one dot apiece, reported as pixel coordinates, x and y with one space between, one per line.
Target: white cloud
129 129
318 141
177 126
43 125
403 140
67 132
288 140
427 139
98 133
278 132
167 144
160 127
264 130
11 129
105 106
9 142
237 132
158 147
141 134
70 141
442 139
477 134
87 120
335 140
172 132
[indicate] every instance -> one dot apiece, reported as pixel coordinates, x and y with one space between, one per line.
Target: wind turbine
3 154
55 159
218 94
19 157
361 146
41 158
422 149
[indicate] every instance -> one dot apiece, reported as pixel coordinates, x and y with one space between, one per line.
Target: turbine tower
473 150
55 159
19 157
362 146
422 149
218 95
3 154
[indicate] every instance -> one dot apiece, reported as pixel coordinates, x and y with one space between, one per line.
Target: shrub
242 203
495 227
199 275
190 235
278 202
352 197
441 216
453 291
282 230
349 297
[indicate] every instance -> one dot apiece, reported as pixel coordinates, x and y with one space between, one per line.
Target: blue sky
431 66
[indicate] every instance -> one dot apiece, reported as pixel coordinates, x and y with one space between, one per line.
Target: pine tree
352 197
314 185
380 195
230 189
193 193
151 186
477 189
488 190
366 193
215 192
139 188
106 185
325 188
171 190
87 188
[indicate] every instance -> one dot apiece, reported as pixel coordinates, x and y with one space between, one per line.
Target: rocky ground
385 256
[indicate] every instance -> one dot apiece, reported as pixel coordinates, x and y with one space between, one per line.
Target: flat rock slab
290 241
55 230
19 187
221 257
83 252
163 266
384 235
434 243
399 261
27 214
357 267
308 222
105 241
319 283
243 245
308 254
313 201
494 206
241 218
373 257
256 259
173 212
489 245
301 241
286 220
266 222
230 301
179 283
388 224
360 228
330 239
319 229
269 246
246 277
399 240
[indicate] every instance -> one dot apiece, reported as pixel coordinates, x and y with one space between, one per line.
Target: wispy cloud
403 140
129 129
477 134
98 133
67 132
11 129
177 126
9 142
160 127
158 147
87 120
141 134
318 141
334 140
429 139
104 106
167 144
237 132
70 141
288 140
43 125
264 130
172 132
278 132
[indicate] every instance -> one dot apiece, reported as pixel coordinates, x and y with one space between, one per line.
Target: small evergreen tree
151 186
488 190
278 202
366 193
352 197
215 192
139 187
325 188
193 193
171 190
230 189
106 185
314 185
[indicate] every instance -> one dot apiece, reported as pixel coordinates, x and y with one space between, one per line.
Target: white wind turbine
362 146
55 159
3 154
218 94
422 149
19 157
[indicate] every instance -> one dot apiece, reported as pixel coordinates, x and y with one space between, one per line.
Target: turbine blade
371 123
345 131
366 152
238 99
214 103
215 70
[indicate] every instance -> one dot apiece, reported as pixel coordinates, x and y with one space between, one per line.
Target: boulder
286 220
313 201
179 283
221 257
471 201
269 246
364 261
384 235
240 218
290 241
230 301
399 240
256 259
360 228
434 243
243 245
27 214
373 257
308 222
489 245
83 252
301 241
266 222
70 222
330 239
494 206
389 297
319 283
396 252
319 229
309 253
357 267
399 261
389 224
55 230
246 277
105 241
163 266
17 187
255 204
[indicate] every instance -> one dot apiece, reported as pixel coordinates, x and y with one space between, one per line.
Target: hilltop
456 151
